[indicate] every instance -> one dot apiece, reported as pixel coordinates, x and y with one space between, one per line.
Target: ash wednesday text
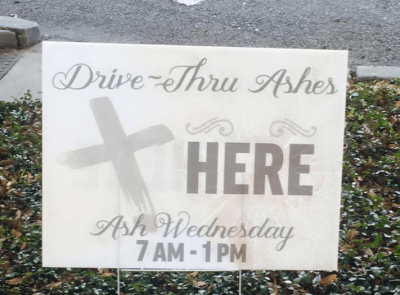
183 227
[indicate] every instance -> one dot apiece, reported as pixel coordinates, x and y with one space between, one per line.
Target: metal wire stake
118 281
119 239
240 281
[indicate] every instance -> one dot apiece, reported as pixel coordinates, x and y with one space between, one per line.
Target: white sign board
174 157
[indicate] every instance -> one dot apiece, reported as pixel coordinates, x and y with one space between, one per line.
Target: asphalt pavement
369 29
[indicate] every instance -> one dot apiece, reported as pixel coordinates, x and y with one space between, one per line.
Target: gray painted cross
119 149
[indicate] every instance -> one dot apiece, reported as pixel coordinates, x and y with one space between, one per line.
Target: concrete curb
8 39
26 33
365 73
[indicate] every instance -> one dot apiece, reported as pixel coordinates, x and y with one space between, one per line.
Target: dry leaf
17 233
17 224
351 234
6 162
370 165
327 280
199 283
101 270
193 275
17 215
4 152
398 104
108 274
395 205
349 83
5 265
14 281
22 246
382 102
392 146
388 204
67 277
345 247
381 84
19 194
53 285
369 252
37 286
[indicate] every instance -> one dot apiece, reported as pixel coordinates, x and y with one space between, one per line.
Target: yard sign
175 157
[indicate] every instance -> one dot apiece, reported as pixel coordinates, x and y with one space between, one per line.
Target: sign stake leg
118 281
240 281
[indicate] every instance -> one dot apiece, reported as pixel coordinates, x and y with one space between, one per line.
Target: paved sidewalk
25 75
